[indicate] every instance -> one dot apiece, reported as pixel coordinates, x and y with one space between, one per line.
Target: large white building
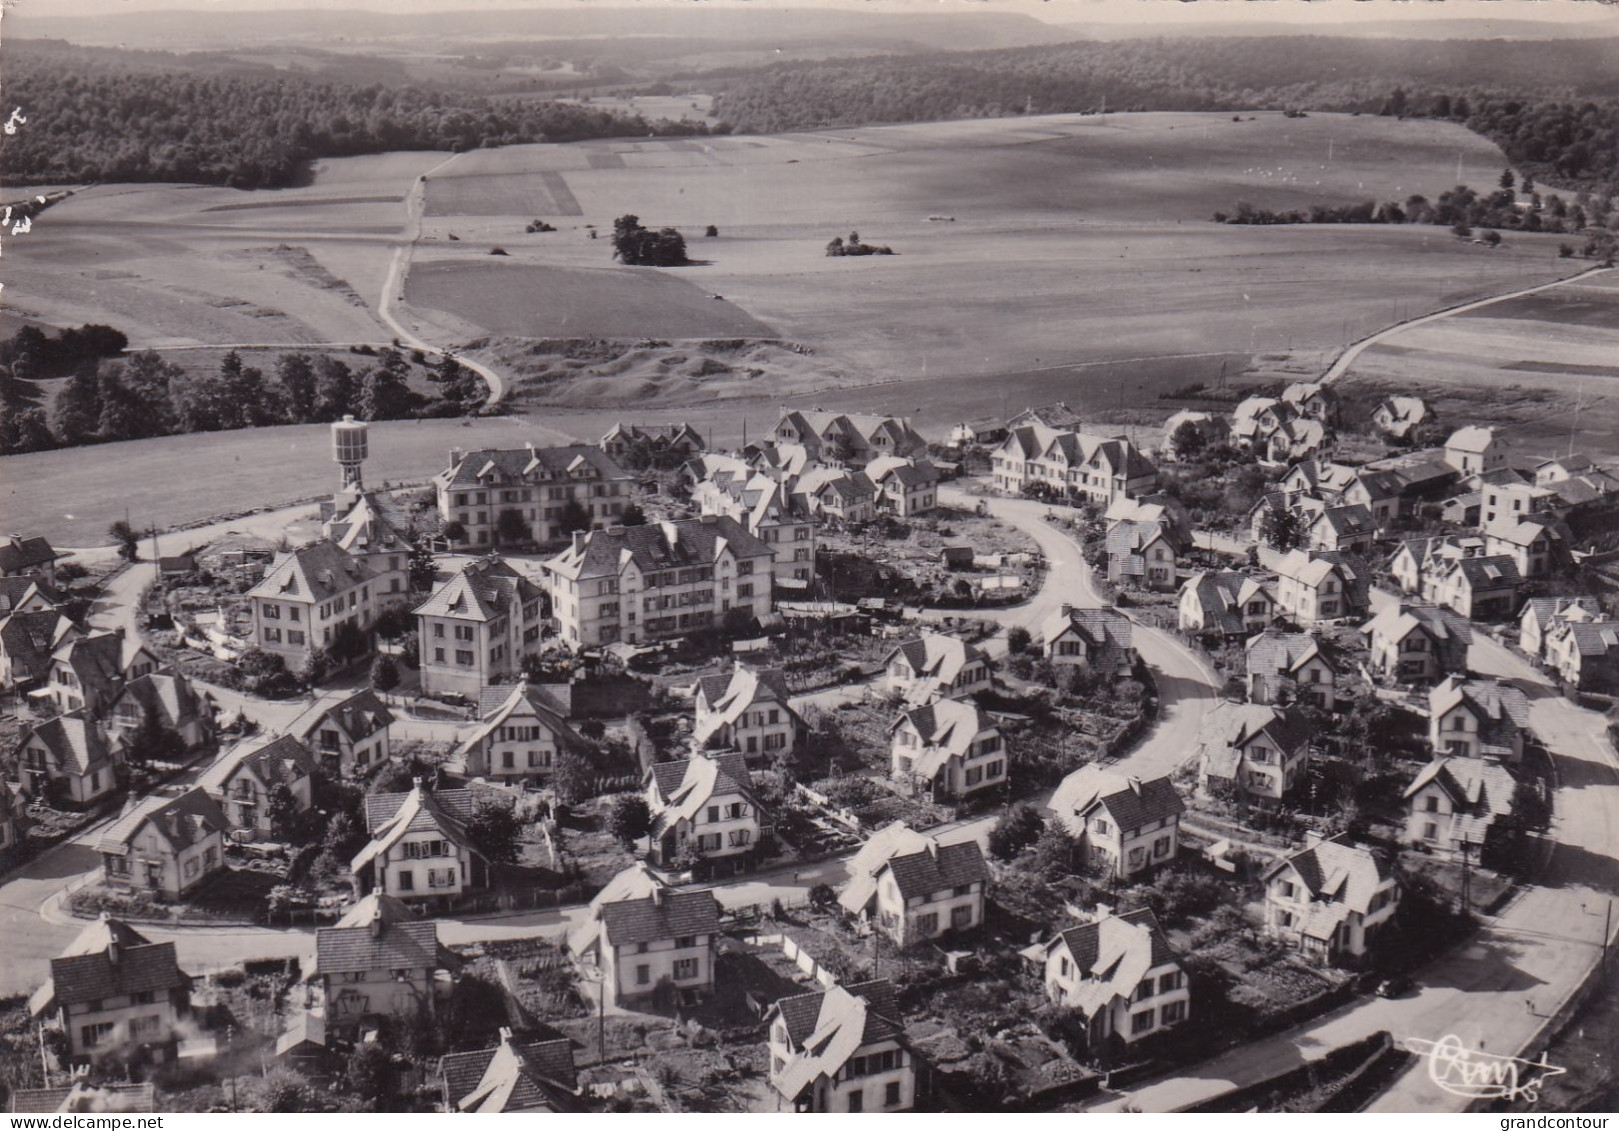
537 486
307 595
640 584
475 628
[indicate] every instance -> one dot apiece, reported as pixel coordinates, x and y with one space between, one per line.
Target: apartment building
647 583
476 627
546 489
307 595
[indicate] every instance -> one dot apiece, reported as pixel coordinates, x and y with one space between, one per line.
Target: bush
1018 639
1020 827
385 674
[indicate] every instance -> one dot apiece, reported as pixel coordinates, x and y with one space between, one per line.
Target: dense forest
1552 106
134 396
93 116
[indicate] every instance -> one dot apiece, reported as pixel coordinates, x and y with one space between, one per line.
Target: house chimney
1066 609
505 1035
377 923
710 519
578 541
1135 785
456 455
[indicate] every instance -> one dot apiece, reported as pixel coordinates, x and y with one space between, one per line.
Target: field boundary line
1341 366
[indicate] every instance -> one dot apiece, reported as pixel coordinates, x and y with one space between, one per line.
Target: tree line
123 116
144 395
1525 105
1462 209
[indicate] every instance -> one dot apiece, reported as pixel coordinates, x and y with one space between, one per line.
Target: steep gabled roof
1472 438
182 821
382 945
169 693
1131 802
522 701
665 914
846 1019
117 971
531 465
1340 877
1449 630
1223 594
935 659
483 591
389 816
1479 790
638 881
367 528
18 591
512 1076
947 729
683 789
1113 956
75 744
658 546
316 573
357 714
274 759
939 867
18 554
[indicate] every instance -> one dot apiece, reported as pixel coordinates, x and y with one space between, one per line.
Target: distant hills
214 29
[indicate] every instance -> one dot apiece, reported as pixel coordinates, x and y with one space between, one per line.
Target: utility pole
601 1021
1467 877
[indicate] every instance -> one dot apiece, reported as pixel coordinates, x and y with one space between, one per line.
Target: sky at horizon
1147 13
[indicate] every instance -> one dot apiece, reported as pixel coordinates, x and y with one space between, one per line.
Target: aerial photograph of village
620 557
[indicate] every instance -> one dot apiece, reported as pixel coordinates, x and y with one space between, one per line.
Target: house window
1430 831
857 1100
928 924
1171 1013
891 1094
643 974
1170 981
961 917
685 968
407 880
1141 1022
1431 804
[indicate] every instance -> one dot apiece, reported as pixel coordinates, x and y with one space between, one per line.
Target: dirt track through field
1347 358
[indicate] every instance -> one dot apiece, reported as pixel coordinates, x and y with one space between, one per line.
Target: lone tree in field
642 247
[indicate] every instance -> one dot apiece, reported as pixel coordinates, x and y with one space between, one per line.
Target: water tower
349 450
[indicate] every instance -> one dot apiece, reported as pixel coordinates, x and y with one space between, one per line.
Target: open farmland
1049 253
1037 258
541 301
190 265
1561 346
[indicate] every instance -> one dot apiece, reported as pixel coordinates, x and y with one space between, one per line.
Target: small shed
956 557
